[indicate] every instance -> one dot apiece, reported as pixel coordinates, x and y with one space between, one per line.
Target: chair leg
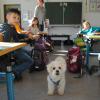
99 64
2 77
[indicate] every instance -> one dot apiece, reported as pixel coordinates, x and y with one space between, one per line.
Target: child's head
40 2
86 25
13 16
35 21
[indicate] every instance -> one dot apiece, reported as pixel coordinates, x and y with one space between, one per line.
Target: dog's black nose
57 72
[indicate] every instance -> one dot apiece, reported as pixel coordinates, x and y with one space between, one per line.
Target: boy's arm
9 33
6 36
97 33
6 33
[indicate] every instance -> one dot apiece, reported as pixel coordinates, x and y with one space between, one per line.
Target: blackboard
66 13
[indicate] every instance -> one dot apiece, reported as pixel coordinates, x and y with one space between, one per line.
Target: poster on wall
98 1
93 0
25 16
98 7
94 6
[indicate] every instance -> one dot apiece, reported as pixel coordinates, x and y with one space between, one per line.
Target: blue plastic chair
7 77
2 77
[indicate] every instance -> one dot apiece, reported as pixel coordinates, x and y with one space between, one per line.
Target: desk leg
87 53
10 89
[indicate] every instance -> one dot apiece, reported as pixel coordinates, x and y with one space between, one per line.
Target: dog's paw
61 93
50 93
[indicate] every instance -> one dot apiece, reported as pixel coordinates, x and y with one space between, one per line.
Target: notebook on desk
8 44
93 36
3 47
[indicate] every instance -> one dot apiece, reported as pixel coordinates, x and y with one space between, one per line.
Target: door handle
65 4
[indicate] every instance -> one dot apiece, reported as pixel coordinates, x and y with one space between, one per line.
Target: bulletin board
94 5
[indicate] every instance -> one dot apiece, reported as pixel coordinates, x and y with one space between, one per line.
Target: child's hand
39 33
30 36
42 33
26 32
0 33
97 33
36 37
48 44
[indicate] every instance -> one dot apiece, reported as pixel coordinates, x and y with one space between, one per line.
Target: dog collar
56 83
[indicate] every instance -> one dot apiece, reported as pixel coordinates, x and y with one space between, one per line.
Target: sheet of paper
3 44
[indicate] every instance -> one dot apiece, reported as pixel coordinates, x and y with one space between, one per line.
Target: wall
63 30
63 0
27 6
92 17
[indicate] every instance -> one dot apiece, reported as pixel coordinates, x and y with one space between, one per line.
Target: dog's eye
53 68
59 67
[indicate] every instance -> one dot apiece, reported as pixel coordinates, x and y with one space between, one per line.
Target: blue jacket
90 31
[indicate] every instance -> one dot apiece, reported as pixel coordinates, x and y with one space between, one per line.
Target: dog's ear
61 61
64 65
49 67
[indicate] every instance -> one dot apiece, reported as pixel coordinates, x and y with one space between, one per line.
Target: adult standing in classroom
40 13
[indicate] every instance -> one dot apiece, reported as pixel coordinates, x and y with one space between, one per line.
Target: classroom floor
34 85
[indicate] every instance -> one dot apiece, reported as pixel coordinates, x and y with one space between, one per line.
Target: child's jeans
23 61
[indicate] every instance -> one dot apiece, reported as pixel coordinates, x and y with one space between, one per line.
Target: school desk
95 37
6 48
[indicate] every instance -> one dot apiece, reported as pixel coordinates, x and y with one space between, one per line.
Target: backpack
40 59
74 60
79 40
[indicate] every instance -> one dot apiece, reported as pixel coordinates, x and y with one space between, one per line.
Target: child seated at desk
23 33
87 29
23 60
34 30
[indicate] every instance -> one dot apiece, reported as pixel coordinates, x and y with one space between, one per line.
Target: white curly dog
56 76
